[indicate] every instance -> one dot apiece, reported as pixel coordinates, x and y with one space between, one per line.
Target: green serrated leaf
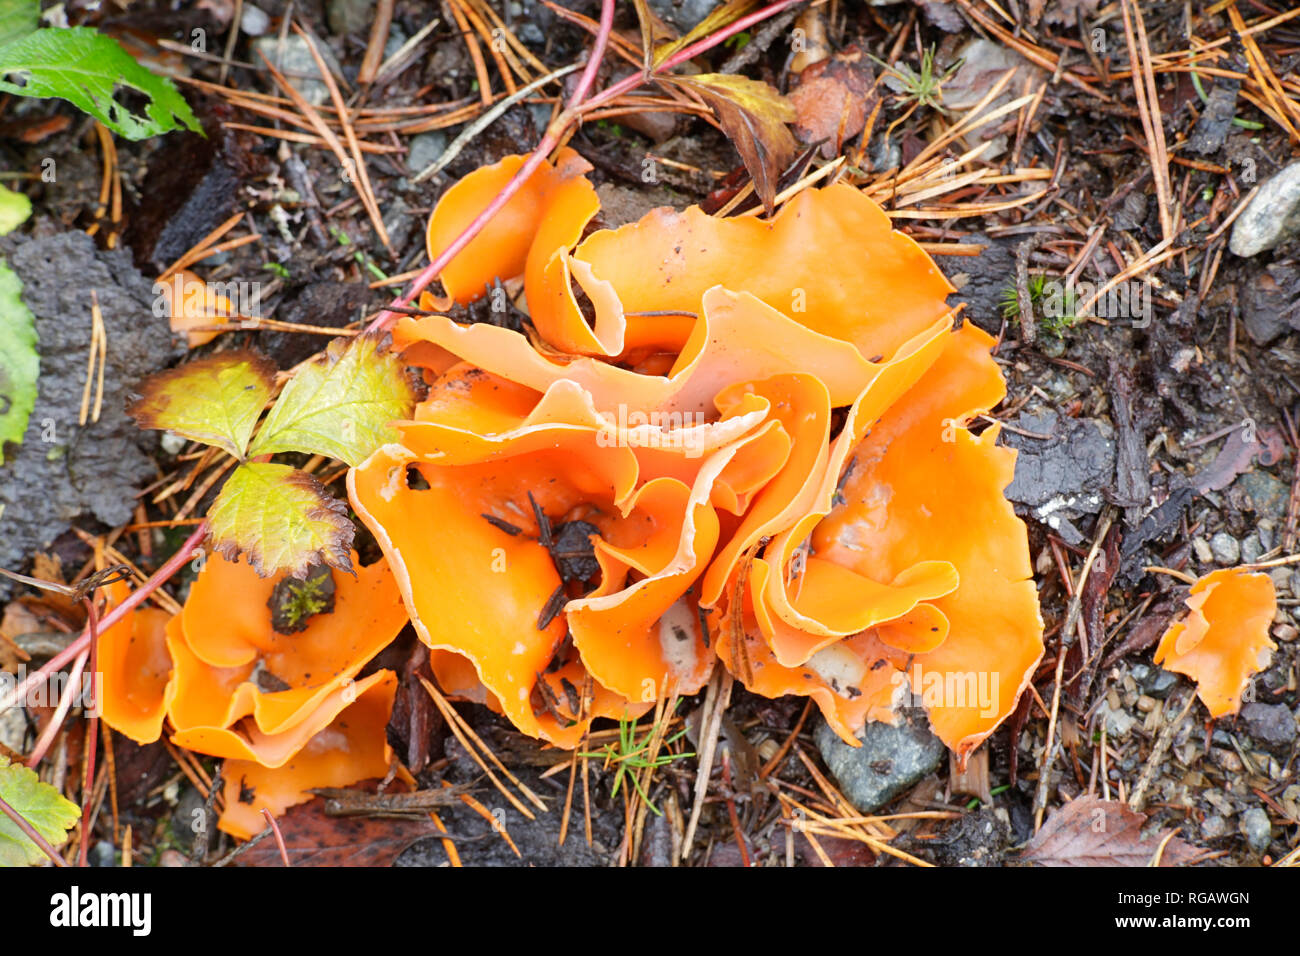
342 405
14 209
215 400
280 519
17 19
86 68
48 811
20 363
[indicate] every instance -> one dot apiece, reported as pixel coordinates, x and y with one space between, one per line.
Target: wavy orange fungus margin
1222 640
287 712
714 439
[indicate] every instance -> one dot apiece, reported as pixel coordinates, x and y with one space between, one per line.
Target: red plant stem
157 579
572 114
31 833
56 721
279 839
731 811
629 83
597 55
92 731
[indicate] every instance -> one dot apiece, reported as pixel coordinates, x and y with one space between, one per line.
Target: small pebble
1159 683
1202 549
102 853
1257 829
254 21
1226 549
1272 217
1272 725
1226 760
1214 826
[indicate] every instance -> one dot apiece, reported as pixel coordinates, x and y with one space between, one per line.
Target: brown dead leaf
1090 831
313 839
1238 454
18 619
1146 631
833 99
754 117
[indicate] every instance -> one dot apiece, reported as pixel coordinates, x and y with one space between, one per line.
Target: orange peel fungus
286 711
728 440
1222 640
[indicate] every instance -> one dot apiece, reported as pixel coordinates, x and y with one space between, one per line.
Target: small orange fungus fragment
192 303
1222 640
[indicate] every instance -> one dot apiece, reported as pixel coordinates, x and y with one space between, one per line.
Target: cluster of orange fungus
286 711
1222 640
711 440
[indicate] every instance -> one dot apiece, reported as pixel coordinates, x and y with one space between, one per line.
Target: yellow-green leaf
280 519
15 207
215 400
341 405
726 14
20 364
754 115
48 811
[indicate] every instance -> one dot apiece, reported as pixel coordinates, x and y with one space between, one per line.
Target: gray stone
425 149
254 21
1282 581
349 16
1158 683
890 760
1214 826
192 819
1119 722
1267 494
1271 725
101 853
683 14
293 58
1257 829
1251 549
1272 217
1226 549
13 722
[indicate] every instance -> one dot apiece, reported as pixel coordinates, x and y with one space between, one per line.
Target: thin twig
1071 622
279 838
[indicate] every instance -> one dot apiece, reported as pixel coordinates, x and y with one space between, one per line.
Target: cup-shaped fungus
136 667
1222 640
265 674
709 439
